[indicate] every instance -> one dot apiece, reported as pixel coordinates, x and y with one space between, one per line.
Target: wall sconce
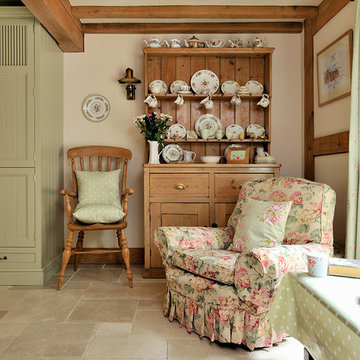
130 80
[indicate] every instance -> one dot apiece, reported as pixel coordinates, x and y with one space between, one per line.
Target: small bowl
210 159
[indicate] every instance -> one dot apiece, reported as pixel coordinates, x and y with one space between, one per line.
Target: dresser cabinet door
174 214
223 212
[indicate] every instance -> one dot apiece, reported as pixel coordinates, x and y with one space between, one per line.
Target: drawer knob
3 258
179 186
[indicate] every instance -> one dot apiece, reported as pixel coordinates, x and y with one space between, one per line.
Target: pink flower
241 277
242 193
296 198
292 238
277 195
287 182
208 239
283 265
210 320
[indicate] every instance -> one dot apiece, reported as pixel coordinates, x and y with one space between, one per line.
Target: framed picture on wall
334 70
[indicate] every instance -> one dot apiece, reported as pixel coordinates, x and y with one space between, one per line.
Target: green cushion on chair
98 196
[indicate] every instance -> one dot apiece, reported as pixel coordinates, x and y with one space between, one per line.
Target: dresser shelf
170 141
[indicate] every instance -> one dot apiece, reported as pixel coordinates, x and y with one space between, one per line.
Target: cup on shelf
243 89
151 101
317 264
219 134
204 133
184 88
207 102
264 101
189 155
179 100
235 100
229 135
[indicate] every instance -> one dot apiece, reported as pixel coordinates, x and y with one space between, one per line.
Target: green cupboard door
16 93
17 206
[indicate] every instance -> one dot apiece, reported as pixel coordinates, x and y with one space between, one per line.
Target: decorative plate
204 82
210 122
158 87
255 87
176 85
255 131
235 129
172 152
230 87
176 129
230 146
96 107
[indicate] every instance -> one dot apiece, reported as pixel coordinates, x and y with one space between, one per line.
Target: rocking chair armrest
129 192
67 192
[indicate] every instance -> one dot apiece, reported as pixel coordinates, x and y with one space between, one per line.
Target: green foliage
153 126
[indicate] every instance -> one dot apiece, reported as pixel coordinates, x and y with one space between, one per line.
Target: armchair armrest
258 272
170 239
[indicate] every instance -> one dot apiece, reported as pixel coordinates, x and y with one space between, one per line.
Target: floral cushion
261 224
216 265
311 214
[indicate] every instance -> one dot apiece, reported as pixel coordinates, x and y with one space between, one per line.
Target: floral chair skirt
214 310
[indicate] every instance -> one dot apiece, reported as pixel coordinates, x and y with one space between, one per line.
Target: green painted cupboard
31 150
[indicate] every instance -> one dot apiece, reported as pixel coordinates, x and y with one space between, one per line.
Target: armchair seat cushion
218 265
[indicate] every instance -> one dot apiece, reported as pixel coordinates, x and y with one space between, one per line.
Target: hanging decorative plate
176 129
172 152
210 122
158 87
230 87
96 107
255 87
255 131
176 86
235 129
204 82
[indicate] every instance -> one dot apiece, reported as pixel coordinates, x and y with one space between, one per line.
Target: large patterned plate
172 152
204 82
96 107
210 122
176 129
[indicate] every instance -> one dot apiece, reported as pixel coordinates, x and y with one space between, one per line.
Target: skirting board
136 257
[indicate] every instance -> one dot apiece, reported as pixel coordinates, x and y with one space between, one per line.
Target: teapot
258 43
237 43
215 43
194 42
155 43
175 43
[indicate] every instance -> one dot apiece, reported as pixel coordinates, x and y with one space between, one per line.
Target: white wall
333 118
104 61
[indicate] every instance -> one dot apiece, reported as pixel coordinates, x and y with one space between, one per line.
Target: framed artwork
334 70
238 155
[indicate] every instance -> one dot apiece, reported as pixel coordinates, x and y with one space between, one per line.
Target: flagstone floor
97 316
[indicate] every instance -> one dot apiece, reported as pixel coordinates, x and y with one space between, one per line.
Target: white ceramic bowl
210 159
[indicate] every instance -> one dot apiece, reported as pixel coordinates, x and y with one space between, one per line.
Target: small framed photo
238 155
191 135
334 70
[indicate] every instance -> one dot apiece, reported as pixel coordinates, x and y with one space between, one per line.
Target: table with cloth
322 313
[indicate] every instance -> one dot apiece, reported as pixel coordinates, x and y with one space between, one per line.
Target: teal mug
317 264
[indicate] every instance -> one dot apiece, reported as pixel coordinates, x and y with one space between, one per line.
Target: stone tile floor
97 316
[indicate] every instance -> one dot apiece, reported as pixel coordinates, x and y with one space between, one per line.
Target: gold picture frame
334 64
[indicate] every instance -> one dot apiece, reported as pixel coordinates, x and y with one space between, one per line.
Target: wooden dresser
192 195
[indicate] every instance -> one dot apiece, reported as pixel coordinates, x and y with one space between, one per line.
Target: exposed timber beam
327 10
189 28
58 20
195 12
331 144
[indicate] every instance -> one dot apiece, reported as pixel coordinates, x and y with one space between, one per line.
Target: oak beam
331 144
189 28
195 12
59 22
309 171
327 10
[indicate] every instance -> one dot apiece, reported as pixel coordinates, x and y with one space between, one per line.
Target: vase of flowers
153 126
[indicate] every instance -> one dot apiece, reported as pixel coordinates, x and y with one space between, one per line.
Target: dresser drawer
179 184
228 185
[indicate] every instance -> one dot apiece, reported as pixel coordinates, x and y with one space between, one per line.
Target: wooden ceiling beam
58 20
327 10
195 12
190 28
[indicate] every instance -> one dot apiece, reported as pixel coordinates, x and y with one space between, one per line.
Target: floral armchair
225 295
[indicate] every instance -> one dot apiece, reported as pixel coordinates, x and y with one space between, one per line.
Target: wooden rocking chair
110 158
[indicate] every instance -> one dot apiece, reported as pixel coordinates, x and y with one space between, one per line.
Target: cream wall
331 119
104 61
